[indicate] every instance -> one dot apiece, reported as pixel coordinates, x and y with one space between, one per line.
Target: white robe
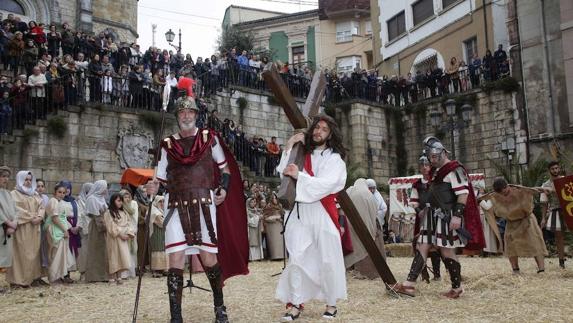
316 264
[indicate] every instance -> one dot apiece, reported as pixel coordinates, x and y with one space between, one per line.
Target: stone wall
382 140
375 135
88 152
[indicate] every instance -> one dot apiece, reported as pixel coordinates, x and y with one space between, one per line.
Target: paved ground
492 294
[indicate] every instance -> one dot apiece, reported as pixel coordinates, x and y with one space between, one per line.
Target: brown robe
26 261
523 237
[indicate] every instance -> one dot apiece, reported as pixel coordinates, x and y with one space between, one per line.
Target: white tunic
316 265
174 236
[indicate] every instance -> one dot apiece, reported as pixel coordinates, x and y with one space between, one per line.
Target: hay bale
399 250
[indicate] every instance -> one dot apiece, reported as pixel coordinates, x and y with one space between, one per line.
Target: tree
232 37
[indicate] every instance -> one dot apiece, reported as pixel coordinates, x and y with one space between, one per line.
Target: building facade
345 35
416 35
93 16
543 33
289 37
237 14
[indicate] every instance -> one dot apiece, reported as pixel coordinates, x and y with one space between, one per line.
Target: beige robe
26 260
523 237
8 212
367 206
272 216
118 254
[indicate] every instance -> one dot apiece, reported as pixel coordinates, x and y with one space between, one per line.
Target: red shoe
453 294
405 290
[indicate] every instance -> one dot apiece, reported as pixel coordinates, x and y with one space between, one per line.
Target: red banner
564 191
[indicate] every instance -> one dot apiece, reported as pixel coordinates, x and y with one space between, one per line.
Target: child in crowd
5 113
119 232
107 86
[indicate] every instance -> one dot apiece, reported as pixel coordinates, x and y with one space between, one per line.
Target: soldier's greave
417 265
175 292
455 270
435 258
214 276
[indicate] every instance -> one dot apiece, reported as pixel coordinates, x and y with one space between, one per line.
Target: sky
199 20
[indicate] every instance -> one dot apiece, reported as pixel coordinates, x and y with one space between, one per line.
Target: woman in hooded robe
57 228
255 229
367 207
159 259
273 223
132 209
118 233
26 262
96 206
83 224
71 207
8 220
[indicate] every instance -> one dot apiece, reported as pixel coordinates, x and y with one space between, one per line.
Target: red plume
186 83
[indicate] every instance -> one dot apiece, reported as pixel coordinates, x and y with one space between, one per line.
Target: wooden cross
287 191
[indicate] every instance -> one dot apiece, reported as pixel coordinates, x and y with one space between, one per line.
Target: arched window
12 6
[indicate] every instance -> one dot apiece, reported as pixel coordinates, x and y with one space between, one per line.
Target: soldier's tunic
554 215
188 183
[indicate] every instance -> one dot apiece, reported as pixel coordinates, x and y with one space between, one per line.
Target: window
297 55
447 3
422 10
345 30
470 49
368 27
396 26
347 64
12 6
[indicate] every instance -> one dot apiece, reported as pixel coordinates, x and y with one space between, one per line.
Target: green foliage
232 37
57 127
353 172
506 84
401 153
29 134
242 103
330 110
384 188
440 134
272 100
152 120
533 175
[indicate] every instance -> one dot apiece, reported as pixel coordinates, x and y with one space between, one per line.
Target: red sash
328 202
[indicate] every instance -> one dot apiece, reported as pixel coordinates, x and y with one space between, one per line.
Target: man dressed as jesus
312 229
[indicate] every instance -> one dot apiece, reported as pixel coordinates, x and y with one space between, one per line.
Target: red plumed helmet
186 83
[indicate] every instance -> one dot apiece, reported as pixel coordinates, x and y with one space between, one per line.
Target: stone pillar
85 15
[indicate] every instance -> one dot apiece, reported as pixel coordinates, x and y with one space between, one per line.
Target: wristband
225 181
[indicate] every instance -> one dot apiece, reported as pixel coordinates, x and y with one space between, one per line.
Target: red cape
471 215
233 242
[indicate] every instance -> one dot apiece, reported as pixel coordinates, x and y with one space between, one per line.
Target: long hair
334 140
113 210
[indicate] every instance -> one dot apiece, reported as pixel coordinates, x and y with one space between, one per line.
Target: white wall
389 8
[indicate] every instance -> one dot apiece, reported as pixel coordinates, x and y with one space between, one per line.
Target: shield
133 146
564 191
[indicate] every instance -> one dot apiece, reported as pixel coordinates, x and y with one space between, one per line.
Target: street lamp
452 121
170 36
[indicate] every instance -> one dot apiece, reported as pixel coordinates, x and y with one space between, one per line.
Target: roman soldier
203 183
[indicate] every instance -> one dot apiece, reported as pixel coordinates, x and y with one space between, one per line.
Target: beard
186 125
315 143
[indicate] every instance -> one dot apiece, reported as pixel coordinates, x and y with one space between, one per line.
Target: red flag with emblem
564 191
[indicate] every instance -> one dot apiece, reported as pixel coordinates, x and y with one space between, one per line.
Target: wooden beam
284 98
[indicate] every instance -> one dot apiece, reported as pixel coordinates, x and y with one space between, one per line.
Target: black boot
562 263
214 276
417 265
175 291
455 270
435 258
